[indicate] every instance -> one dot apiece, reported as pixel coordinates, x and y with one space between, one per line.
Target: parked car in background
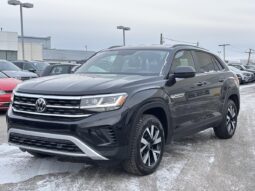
243 76
12 71
57 69
249 67
33 66
6 87
242 67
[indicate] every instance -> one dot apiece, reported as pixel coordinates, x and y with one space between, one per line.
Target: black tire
37 154
140 151
228 125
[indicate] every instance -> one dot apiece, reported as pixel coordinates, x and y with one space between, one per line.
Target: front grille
44 143
55 106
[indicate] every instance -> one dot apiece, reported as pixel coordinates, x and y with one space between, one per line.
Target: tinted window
182 58
28 66
19 64
205 62
39 65
59 70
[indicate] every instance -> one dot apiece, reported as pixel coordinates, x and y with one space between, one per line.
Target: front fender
148 99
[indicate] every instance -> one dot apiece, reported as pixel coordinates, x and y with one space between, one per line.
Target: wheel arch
160 110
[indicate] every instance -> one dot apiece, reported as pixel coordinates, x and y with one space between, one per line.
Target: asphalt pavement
195 163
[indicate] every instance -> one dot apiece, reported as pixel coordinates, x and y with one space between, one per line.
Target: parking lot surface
198 162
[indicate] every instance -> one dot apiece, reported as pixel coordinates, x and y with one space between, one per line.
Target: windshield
141 62
8 66
232 68
40 65
3 75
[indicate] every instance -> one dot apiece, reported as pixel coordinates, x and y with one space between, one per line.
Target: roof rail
176 45
117 46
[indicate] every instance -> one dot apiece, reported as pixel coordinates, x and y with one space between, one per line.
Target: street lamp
124 29
25 5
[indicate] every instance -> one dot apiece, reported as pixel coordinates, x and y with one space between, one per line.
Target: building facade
37 48
8 45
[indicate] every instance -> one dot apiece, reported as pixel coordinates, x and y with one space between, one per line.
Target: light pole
25 5
124 29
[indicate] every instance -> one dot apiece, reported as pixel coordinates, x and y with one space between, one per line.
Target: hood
84 84
8 84
19 74
250 70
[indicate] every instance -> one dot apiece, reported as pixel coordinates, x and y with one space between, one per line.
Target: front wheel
228 126
146 146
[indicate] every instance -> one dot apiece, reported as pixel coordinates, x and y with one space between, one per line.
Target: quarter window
217 64
182 58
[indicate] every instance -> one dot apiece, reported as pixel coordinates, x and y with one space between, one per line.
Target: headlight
2 92
103 102
246 74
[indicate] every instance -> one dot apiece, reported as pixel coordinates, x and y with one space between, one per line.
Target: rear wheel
146 147
228 126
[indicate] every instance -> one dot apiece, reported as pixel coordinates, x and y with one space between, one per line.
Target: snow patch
17 166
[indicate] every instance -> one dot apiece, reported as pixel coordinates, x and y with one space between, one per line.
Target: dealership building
37 48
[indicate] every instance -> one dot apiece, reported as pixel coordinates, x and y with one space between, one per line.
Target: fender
228 89
149 99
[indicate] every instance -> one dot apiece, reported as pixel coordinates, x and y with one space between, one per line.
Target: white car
243 76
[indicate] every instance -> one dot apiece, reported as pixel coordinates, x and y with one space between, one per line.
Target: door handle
221 80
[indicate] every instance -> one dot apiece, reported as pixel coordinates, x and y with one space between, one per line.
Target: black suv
124 104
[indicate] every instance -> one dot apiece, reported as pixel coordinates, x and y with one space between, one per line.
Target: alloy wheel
151 145
231 120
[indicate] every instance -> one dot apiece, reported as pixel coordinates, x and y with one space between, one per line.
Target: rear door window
205 62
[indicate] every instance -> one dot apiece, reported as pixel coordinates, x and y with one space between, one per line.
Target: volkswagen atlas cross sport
124 105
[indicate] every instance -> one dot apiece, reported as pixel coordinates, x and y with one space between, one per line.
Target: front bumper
98 137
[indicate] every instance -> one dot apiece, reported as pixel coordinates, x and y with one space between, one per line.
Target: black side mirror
32 70
184 72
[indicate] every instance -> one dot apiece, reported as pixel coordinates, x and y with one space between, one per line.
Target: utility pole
161 39
224 50
251 51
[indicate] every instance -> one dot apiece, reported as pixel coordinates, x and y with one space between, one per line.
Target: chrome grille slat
62 106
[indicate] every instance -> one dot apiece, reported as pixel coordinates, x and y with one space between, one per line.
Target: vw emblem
40 105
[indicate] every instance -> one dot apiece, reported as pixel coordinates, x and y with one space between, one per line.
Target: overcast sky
72 24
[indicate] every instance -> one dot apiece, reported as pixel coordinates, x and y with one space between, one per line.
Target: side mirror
32 70
184 72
